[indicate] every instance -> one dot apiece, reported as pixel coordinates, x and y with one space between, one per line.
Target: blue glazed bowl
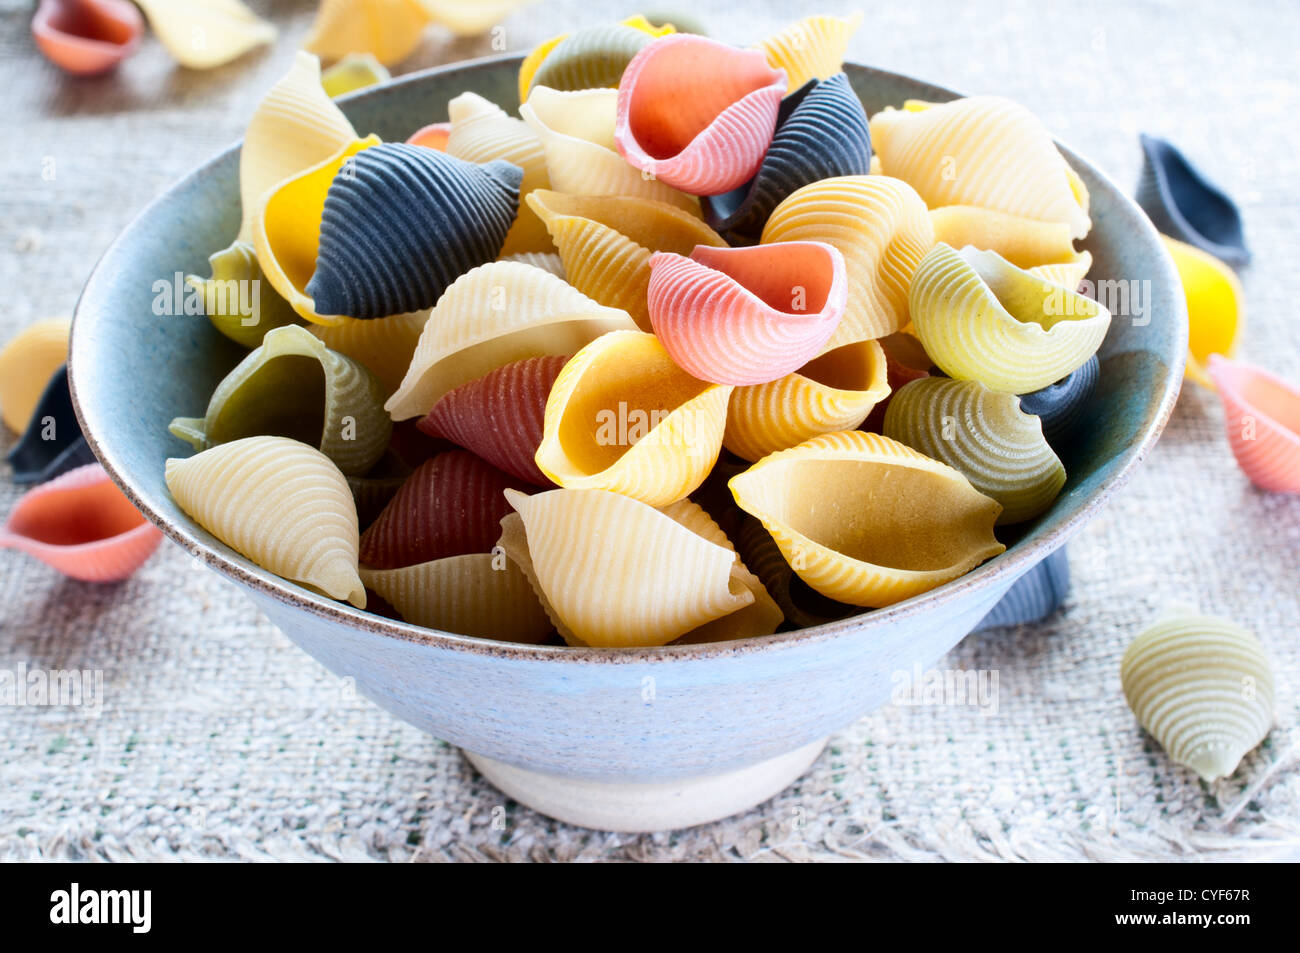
639 716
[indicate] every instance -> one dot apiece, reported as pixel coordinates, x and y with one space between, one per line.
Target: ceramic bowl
632 739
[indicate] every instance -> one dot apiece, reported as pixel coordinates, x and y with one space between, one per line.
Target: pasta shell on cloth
883 230
86 37
1203 687
53 442
1216 307
1183 203
834 391
495 314
1025 242
547 261
82 525
590 58
539 54
471 17
204 34
983 434
618 573
888 524
985 151
27 363
982 318
382 345
279 503
436 135
1062 406
623 417
480 132
500 416
294 386
697 114
746 315
236 300
605 242
577 131
296 126
390 30
821 133
355 71
811 48
800 604
1262 416
476 594
451 505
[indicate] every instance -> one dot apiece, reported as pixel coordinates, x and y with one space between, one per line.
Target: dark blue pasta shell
1034 596
52 443
1184 204
1061 406
402 222
821 133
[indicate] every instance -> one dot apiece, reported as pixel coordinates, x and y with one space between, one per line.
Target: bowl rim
1012 562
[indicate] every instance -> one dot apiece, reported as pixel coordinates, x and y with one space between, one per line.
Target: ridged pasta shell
591 58
1183 203
493 315
1063 405
1216 307
577 131
296 126
811 48
905 361
650 581
883 230
982 318
480 132
53 442
985 151
985 436
279 503
1203 688
1262 415
27 363
800 604
388 29
81 525
236 300
623 417
500 415
471 17
542 51
835 391
888 524
86 37
355 71
383 345
746 315
476 594
606 241
697 114
204 34
1025 242
547 261
1068 274
1034 596
294 386
821 133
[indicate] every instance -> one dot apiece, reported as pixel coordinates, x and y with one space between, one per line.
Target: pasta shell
355 71
204 34
233 297
982 318
86 37
697 114
383 345
294 386
390 30
373 491
481 132
26 365
500 415
494 315
835 391
279 503
1025 242
436 135
985 436
476 594
1202 686
1183 203
81 525
53 442
1034 596
577 131
811 48
547 261
623 417
650 581
883 230
678 20
591 58
905 361
606 241
746 315
1068 274
800 604
539 54
296 126
821 133
471 17
1262 415
451 505
1216 307
984 151
1062 406
889 523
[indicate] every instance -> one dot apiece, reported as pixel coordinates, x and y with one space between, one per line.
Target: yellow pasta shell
390 30
811 48
26 365
1025 242
383 345
203 34
471 17
1068 274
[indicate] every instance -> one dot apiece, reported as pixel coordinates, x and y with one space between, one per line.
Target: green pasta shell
592 58
294 386
236 299
985 435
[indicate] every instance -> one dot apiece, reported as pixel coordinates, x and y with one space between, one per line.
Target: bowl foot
640 808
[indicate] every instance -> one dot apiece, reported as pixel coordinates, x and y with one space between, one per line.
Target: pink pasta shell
81 525
87 37
697 114
500 415
433 136
747 315
1262 414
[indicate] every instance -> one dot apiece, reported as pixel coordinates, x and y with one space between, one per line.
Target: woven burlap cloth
219 739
